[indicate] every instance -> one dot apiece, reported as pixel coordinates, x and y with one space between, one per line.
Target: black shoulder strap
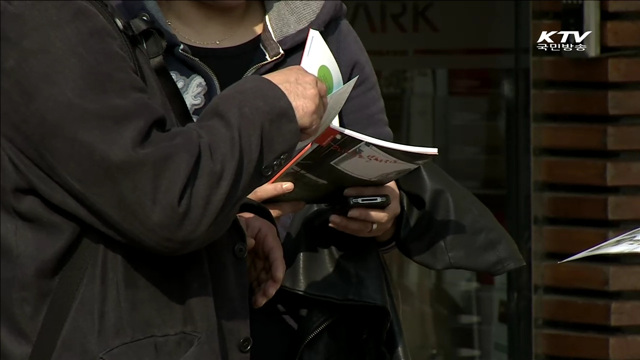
154 45
62 300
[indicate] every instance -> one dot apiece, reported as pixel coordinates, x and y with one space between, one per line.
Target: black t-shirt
228 64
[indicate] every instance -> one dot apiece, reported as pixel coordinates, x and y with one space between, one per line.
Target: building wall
586 169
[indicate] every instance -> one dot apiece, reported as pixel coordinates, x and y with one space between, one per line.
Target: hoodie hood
290 21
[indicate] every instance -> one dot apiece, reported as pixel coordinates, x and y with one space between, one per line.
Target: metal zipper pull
312 335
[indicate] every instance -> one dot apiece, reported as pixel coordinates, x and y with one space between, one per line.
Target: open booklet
628 243
336 158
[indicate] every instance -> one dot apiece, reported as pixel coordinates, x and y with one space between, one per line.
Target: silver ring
374 226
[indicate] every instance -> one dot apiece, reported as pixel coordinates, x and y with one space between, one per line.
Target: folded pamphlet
336 158
627 243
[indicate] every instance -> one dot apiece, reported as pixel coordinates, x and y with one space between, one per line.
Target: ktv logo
545 42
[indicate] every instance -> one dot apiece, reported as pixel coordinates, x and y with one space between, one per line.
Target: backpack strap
62 300
154 45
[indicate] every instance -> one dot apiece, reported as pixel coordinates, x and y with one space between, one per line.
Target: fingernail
352 213
334 219
348 192
287 186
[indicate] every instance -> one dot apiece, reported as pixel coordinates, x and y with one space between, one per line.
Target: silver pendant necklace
215 42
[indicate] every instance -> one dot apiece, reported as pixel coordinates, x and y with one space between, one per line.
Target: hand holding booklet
336 158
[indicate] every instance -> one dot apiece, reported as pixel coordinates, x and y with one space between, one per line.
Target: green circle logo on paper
324 74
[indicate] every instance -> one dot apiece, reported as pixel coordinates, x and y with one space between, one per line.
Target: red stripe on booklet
326 136
290 164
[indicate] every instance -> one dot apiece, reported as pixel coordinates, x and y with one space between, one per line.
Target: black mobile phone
370 202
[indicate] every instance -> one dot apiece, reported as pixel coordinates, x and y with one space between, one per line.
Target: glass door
454 74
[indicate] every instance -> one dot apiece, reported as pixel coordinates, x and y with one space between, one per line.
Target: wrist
387 235
387 242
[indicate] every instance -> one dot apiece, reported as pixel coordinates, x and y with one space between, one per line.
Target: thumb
251 243
268 191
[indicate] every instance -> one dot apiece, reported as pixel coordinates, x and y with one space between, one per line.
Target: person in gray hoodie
335 302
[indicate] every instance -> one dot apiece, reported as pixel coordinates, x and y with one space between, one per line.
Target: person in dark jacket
94 164
335 302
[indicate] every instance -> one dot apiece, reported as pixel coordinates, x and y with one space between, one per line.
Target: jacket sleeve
446 227
89 136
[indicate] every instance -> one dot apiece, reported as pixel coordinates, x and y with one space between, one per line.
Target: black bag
443 226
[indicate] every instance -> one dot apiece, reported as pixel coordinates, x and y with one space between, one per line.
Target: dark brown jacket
89 153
